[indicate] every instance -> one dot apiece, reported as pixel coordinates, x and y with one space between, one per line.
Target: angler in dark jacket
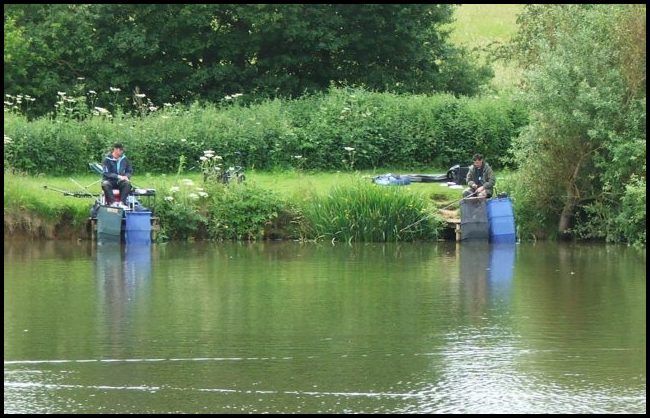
480 178
117 174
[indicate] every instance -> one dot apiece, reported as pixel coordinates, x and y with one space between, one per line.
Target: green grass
296 185
338 205
27 192
478 25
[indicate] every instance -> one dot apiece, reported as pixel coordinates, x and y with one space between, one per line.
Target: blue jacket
112 167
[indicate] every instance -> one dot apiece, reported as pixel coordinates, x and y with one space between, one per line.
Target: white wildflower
114 89
193 196
140 95
203 194
92 92
348 149
169 198
203 158
174 189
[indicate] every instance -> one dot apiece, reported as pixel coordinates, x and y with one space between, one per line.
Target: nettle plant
184 211
211 165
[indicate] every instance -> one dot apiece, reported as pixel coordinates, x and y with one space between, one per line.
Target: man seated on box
480 179
117 172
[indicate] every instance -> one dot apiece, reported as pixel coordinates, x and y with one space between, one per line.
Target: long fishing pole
430 215
67 193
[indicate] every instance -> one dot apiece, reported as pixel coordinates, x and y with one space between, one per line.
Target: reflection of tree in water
584 311
121 271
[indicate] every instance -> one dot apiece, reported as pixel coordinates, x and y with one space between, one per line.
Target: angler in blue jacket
117 174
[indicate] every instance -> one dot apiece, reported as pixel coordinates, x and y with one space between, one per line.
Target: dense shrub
244 212
383 128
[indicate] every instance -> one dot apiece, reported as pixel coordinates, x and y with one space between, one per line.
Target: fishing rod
85 188
67 193
445 207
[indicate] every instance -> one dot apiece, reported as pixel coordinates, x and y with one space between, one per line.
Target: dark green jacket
487 180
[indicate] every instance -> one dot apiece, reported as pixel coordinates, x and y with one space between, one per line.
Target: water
284 327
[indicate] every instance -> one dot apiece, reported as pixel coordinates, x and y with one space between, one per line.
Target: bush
244 212
383 128
183 212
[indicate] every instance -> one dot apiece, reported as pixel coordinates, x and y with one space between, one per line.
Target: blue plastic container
137 229
501 220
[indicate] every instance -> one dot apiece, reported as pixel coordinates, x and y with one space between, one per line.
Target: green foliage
585 89
184 212
368 212
244 212
631 222
187 52
383 128
269 208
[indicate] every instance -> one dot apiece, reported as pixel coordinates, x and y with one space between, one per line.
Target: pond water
315 328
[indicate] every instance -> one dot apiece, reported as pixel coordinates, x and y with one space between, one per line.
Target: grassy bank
288 204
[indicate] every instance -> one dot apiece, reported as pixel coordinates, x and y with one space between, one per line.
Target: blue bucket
501 219
138 227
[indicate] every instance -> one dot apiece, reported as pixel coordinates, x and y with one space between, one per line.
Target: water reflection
486 272
287 327
500 270
123 273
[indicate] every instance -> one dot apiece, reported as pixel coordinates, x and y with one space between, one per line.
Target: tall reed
364 211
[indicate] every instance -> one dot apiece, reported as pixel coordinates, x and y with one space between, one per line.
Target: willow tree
583 155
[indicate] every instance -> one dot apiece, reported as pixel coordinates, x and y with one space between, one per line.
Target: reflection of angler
122 268
486 271
122 272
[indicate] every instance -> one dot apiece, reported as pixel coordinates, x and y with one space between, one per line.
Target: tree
585 87
178 52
